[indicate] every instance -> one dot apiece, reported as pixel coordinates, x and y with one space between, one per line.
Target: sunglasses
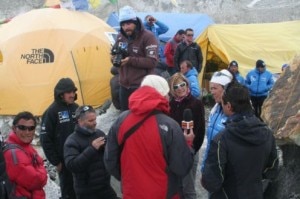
24 128
182 84
218 74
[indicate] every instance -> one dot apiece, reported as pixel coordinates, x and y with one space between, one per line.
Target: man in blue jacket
157 28
259 82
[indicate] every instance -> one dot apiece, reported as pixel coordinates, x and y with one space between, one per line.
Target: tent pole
78 77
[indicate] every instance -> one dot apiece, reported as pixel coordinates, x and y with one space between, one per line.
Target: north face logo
39 56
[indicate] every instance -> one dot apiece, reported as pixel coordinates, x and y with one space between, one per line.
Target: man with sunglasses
259 82
188 50
58 122
25 168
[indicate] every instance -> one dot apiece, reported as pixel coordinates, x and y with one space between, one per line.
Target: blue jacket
157 29
259 84
216 121
192 76
239 78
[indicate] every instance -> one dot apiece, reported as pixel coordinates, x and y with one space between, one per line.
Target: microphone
187 122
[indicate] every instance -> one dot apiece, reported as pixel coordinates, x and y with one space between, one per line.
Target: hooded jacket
239 158
25 168
58 122
155 157
142 50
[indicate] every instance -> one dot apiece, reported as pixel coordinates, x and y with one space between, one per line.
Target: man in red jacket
25 168
170 49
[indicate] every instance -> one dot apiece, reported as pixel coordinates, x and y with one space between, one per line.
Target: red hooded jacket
28 171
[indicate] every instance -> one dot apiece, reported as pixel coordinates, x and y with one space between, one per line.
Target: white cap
222 77
127 13
159 83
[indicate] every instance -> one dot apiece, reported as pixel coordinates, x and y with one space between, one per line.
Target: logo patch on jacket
63 116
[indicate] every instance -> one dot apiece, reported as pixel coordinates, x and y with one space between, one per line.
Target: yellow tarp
42 46
275 43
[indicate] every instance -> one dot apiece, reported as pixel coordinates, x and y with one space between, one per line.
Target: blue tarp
175 21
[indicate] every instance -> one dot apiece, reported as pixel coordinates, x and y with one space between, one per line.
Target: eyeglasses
182 84
190 35
24 128
218 74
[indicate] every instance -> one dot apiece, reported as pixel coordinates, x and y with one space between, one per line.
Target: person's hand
151 19
124 61
98 142
58 167
189 137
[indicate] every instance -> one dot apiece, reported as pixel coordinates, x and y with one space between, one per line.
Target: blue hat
127 14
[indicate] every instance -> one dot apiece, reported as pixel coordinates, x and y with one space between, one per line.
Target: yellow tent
275 43
42 46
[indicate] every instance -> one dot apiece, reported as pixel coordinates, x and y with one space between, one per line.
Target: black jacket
239 158
192 53
86 163
58 122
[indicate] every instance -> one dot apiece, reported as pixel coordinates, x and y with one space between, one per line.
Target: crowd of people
153 146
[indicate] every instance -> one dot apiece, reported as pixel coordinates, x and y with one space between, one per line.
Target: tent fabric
42 46
175 21
275 43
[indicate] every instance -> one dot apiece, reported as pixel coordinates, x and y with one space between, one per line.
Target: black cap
233 63
260 64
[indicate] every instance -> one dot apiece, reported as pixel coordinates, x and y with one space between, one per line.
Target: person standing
141 49
259 82
191 74
217 117
242 154
145 148
181 100
25 168
170 49
188 50
83 154
58 122
233 67
157 28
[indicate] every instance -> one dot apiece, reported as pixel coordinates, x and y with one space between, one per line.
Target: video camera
120 52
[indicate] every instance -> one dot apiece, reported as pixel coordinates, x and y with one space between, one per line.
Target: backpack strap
134 128
13 147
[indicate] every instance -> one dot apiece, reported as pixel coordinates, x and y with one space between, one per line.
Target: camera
120 52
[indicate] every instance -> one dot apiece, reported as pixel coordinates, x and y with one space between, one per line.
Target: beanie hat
260 64
222 77
158 83
127 14
233 63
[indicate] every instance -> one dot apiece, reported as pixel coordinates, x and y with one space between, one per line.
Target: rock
281 110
